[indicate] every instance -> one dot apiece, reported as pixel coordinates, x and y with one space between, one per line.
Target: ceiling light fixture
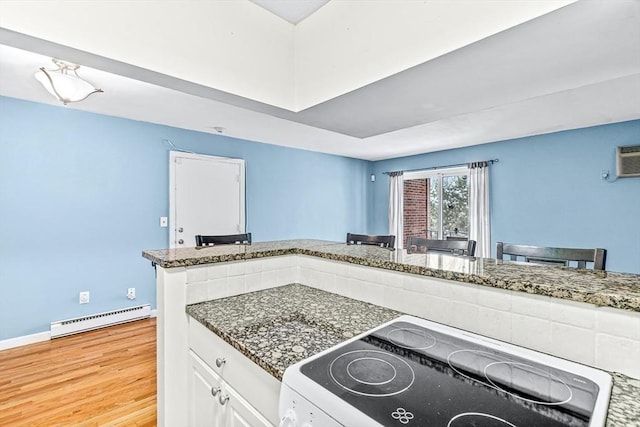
64 82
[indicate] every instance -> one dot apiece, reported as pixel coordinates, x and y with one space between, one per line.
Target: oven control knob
289 419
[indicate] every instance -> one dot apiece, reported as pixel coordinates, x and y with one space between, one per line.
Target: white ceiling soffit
292 11
576 67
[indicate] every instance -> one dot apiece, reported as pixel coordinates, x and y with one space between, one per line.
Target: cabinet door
204 408
239 413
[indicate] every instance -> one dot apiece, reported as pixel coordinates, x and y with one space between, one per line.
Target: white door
207 197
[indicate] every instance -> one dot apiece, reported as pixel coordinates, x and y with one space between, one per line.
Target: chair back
368 239
553 256
228 239
454 247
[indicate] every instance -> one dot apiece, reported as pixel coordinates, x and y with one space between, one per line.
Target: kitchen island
586 316
265 328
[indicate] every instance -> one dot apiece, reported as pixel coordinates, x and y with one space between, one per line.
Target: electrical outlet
131 293
84 297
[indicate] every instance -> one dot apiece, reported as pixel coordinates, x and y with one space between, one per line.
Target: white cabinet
218 371
213 402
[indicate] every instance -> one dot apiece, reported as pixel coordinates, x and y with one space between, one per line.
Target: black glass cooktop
405 374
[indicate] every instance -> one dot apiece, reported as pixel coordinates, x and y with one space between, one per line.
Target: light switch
163 221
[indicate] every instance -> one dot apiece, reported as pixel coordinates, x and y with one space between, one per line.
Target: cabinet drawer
252 382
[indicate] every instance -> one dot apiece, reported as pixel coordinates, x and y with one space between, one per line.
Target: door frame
173 155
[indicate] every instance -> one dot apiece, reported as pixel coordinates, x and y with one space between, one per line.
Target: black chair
454 247
228 239
367 239
553 256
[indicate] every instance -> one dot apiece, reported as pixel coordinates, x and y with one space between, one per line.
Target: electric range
413 372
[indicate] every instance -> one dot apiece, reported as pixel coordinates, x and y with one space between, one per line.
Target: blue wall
547 191
81 195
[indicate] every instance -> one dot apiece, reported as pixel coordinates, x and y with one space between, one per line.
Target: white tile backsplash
196 274
494 298
464 316
253 266
328 282
361 273
314 278
437 288
573 313
415 303
217 271
236 285
217 288
494 323
393 298
197 292
390 278
531 332
530 304
254 282
465 293
237 268
600 336
269 278
573 343
412 283
436 309
618 354
625 324
285 275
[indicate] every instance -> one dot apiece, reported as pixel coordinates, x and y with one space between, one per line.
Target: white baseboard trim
24 340
39 337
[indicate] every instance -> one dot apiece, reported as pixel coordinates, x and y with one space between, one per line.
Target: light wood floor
97 378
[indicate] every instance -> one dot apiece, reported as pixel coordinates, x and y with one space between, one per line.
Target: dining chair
228 239
553 256
454 247
369 239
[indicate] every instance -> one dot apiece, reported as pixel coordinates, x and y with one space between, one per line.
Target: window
436 204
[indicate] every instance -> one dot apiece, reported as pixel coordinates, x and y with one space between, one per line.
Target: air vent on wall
628 161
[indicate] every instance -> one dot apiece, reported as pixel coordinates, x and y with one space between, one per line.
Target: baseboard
24 340
39 337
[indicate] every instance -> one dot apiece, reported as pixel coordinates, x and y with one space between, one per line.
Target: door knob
180 230
180 242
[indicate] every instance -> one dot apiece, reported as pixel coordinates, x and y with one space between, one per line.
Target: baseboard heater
95 321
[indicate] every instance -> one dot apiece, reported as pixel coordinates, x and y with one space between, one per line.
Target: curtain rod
492 161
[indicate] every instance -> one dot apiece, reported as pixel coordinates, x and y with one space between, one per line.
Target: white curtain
396 207
479 216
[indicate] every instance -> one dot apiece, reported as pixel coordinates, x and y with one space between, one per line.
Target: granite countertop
278 327
602 288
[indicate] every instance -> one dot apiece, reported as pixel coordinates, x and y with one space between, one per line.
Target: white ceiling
575 67
292 11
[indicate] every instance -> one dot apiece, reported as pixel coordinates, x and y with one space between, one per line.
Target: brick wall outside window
415 208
